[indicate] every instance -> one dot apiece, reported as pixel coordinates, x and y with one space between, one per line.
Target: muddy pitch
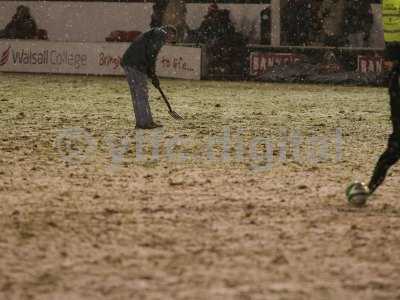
89 210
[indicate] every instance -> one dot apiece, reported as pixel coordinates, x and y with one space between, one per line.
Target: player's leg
387 159
138 86
392 153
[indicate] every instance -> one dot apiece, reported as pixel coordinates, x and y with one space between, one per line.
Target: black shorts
392 51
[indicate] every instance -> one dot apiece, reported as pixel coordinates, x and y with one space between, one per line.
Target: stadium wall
81 21
72 21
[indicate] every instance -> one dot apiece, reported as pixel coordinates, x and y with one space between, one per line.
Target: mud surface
85 215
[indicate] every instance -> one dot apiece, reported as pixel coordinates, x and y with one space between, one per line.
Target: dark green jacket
142 53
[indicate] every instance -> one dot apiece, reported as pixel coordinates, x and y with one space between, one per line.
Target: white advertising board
92 58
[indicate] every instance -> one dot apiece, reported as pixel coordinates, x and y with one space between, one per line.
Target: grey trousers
140 96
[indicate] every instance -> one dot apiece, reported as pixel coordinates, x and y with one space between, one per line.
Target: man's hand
155 81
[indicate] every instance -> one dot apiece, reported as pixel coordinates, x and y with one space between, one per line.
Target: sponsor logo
109 60
260 62
367 64
330 62
4 56
175 63
45 57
